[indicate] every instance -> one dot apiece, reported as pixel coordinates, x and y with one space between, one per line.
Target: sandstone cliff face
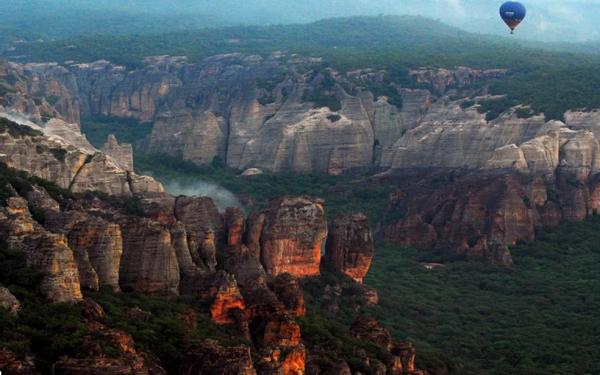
200 217
122 153
350 245
402 354
228 300
69 164
149 262
292 236
101 242
256 112
371 330
442 79
42 91
171 246
91 358
46 252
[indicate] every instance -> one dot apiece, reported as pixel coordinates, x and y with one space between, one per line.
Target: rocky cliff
243 274
292 234
290 115
481 214
350 245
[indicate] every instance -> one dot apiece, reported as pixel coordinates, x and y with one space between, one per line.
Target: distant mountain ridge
548 20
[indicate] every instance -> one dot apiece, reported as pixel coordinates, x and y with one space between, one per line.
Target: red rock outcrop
254 228
235 223
212 358
56 261
469 215
283 361
403 358
245 266
281 331
288 291
291 236
159 207
182 249
226 302
350 245
207 252
39 198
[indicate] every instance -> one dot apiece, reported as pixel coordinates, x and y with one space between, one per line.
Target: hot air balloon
512 12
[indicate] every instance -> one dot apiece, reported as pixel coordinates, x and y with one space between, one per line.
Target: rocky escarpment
481 214
245 273
62 160
253 111
267 113
145 256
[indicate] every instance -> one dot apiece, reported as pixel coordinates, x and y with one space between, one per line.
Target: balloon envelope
512 12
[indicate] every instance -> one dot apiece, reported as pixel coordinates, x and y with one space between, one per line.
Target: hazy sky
567 20
552 20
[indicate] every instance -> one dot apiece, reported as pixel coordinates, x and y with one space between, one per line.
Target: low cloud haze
222 197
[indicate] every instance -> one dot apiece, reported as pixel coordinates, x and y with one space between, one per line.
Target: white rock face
58 158
69 133
510 156
280 115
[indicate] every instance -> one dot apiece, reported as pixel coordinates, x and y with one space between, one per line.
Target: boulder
9 302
